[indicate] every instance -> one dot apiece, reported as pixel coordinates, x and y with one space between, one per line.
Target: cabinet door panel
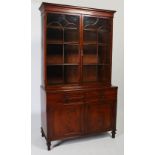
99 118
63 48
67 121
96 49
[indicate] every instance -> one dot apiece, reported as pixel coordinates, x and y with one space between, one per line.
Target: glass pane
89 73
71 74
97 29
54 74
97 23
62 20
103 37
62 28
90 36
71 54
71 35
103 73
55 34
54 54
90 54
90 22
103 55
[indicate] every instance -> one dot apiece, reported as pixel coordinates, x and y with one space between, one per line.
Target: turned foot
42 133
113 133
48 145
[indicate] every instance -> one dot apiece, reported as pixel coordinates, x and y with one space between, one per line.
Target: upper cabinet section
77 45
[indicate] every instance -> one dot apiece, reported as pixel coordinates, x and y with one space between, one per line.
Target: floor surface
94 145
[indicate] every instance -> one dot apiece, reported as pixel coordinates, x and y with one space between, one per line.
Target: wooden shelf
66 64
102 44
90 29
61 28
61 42
95 30
96 64
72 43
54 42
73 64
90 43
94 43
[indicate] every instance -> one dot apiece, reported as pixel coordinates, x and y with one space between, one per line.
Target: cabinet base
48 142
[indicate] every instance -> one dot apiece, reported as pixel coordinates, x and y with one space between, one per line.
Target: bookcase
77 97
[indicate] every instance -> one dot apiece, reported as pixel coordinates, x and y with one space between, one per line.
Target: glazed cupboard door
62 48
96 49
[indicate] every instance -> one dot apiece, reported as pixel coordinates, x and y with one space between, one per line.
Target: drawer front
110 94
101 96
59 99
92 96
55 98
73 97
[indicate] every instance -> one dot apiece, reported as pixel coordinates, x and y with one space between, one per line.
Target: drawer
59 99
92 96
110 94
55 98
101 102
101 95
73 97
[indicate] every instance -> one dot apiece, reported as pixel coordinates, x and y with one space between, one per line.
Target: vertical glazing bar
44 16
97 55
81 47
110 48
63 66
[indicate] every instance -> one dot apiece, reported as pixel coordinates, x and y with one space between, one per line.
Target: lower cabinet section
99 118
77 113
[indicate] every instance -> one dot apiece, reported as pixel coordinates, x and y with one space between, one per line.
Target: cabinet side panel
115 113
42 52
111 49
43 49
43 111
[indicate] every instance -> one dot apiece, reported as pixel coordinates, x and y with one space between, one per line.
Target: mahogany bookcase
77 97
